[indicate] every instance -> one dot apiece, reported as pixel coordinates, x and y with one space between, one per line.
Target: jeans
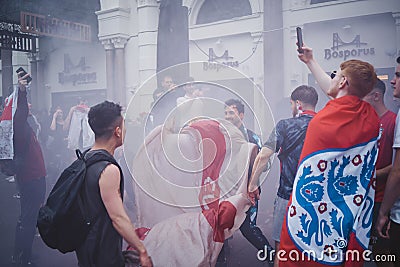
32 197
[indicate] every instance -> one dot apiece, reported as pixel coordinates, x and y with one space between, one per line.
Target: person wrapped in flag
191 189
329 215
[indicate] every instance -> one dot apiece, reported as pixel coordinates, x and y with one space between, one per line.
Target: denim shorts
280 206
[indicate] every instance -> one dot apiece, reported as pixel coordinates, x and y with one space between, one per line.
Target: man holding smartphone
328 210
30 176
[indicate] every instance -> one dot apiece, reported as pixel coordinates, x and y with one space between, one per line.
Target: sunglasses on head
333 75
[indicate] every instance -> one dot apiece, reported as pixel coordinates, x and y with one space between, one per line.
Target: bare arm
53 125
109 189
392 192
319 74
258 167
383 172
21 115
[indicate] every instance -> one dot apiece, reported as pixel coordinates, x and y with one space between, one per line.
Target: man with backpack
102 195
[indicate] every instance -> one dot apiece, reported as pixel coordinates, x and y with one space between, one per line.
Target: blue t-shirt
282 138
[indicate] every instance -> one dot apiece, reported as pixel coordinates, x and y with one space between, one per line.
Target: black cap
398 60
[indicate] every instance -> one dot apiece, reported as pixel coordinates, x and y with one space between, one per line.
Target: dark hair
398 60
380 86
103 118
306 94
235 102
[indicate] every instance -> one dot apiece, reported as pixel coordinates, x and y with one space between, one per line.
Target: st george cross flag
329 215
182 181
189 171
6 126
194 238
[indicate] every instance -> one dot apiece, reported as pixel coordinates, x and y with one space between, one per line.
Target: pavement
240 252
42 256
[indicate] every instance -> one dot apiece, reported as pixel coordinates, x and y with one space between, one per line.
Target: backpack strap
98 156
101 156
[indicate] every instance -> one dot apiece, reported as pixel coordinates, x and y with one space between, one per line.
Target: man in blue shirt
287 140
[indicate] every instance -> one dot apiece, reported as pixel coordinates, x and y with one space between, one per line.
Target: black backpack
63 222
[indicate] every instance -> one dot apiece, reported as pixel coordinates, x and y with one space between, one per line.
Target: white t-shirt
395 211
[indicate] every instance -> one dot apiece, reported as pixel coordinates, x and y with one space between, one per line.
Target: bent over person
102 192
328 220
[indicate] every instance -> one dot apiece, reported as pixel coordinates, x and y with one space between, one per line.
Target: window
216 10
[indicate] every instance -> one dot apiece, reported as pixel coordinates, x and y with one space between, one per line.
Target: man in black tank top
103 197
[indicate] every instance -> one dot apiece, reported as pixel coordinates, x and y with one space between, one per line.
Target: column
109 47
44 96
6 72
273 54
119 70
295 71
148 11
34 94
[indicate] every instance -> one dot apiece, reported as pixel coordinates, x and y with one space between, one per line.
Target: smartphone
299 39
21 69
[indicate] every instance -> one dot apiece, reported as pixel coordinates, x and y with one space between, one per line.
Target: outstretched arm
21 114
319 74
259 166
110 194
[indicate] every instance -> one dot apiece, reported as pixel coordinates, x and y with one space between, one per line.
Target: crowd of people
339 182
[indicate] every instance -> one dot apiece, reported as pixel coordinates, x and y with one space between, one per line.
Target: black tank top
103 246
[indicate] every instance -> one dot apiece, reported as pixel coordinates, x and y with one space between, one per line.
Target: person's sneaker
10 179
17 196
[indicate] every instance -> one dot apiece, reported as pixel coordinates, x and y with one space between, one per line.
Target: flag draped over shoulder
329 215
181 182
6 126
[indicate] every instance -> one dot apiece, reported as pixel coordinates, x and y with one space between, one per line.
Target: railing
17 41
48 26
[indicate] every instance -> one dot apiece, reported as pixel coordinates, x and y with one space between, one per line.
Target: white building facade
340 30
125 57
